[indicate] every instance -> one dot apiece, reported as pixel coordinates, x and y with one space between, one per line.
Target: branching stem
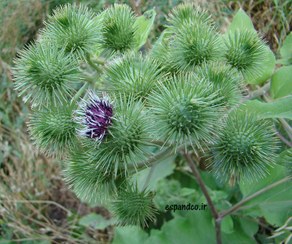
237 206
93 65
203 187
259 92
219 216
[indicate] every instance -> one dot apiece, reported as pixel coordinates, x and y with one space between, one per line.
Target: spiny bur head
75 28
94 116
184 111
193 44
89 183
188 13
245 51
118 28
45 75
134 207
224 80
126 137
133 74
53 130
245 149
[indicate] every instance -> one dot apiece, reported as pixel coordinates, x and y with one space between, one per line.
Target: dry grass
19 24
34 202
272 18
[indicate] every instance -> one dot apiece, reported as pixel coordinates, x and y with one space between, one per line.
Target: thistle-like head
118 29
134 207
95 116
89 183
75 28
223 79
133 75
53 130
45 75
127 137
188 13
245 149
244 50
184 110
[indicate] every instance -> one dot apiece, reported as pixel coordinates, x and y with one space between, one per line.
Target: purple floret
98 119
95 115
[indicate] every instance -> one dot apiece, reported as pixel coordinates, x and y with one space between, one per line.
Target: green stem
237 206
99 61
259 92
79 93
203 187
93 65
287 128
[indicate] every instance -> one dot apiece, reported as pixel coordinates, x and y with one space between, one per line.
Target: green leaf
281 82
267 64
227 225
241 21
280 108
95 221
248 225
162 169
286 50
285 159
129 235
144 24
275 204
193 227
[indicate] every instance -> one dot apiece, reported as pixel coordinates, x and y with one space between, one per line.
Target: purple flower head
95 116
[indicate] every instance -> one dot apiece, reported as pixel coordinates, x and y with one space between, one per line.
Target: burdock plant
110 111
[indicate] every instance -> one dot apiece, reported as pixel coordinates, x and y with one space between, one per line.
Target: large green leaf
227 225
276 204
143 25
162 169
281 82
286 50
194 227
241 21
267 64
129 235
280 108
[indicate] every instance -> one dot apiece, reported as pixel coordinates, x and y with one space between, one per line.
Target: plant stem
259 92
283 139
99 61
203 187
79 93
93 65
237 206
287 128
